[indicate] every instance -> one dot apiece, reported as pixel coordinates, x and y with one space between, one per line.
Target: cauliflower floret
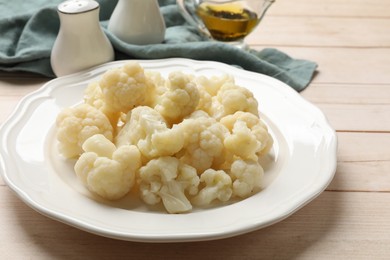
199 138
93 96
125 88
249 136
167 179
146 129
247 176
205 100
160 86
208 88
217 185
105 170
232 98
203 141
155 77
214 83
77 124
180 99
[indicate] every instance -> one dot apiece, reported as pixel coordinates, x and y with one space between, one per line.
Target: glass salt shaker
137 22
81 42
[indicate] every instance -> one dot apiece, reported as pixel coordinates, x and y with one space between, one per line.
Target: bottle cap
77 6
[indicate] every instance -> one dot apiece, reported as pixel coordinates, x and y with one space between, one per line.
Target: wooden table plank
331 8
17 86
358 66
363 162
365 118
332 226
348 93
322 32
363 147
366 176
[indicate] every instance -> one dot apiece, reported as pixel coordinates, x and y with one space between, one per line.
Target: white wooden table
350 41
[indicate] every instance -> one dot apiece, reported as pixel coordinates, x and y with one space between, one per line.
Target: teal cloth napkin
28 30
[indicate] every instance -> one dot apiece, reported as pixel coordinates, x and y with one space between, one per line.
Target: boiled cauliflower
247 176
160 86
203 141
168 179
146 129
77 124
232 98
180 140
217 186
205 100
93 96
214 83
180 99
106 170
249 136
125 88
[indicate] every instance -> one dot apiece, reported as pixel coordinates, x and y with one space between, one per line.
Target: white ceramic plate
299 167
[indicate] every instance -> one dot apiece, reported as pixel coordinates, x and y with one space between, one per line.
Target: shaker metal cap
77 6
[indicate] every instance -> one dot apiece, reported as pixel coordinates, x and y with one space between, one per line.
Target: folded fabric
28 30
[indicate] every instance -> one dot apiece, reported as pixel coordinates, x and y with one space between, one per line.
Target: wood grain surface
350 41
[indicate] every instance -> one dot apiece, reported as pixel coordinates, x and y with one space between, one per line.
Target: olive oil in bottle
227 22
